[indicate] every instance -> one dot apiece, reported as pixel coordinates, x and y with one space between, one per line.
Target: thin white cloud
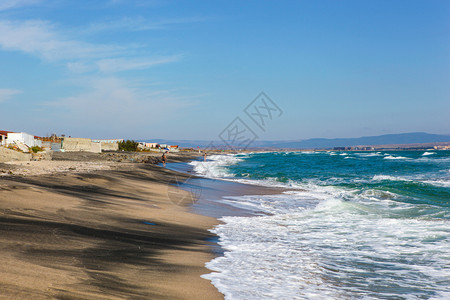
6 94
115 65
42 39
10 4
120 64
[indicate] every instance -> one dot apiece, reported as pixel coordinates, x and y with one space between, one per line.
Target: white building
23 138
151 145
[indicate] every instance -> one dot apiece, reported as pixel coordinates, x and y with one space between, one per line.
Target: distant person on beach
204 156
164 159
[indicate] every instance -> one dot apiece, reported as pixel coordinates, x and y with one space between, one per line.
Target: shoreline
208 192
102 234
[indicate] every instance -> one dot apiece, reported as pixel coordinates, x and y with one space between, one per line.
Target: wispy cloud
10 4
42 39
121 64
6 94
107 98
118 64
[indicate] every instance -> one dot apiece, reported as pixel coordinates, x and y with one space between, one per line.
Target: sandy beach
96 228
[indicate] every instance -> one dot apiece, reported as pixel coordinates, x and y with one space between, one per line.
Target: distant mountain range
386 139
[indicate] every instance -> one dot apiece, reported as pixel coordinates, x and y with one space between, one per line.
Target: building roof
4 132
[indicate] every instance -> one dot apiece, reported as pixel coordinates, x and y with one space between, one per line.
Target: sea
346 225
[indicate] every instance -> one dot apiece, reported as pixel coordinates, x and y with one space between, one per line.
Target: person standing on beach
164 159
204 156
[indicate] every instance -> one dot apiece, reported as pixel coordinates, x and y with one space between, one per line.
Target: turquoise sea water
352 225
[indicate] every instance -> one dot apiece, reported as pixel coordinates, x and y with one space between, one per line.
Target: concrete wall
111 141
96 147
76 144
80 144
110 146
11 155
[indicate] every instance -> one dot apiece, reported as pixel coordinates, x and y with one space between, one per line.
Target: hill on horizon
386 139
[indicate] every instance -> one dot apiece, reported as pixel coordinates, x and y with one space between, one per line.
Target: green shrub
128 145
36 149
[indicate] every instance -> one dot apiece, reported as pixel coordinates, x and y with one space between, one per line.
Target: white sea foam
376 195
274 204
321 191
439 182
369 154
389 177
269 181
428 153
307 246
308 152
395 157
323 241
214 166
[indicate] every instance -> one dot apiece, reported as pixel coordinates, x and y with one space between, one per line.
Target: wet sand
106 234
208 193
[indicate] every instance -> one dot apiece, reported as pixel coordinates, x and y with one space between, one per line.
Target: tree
128 145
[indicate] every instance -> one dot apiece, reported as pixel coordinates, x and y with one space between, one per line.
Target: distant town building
441 147
365 148
173 148
354 148
151 145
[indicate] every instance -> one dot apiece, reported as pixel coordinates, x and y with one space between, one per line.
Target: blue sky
186 69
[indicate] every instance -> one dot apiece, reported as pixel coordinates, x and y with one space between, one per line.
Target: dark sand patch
104 235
